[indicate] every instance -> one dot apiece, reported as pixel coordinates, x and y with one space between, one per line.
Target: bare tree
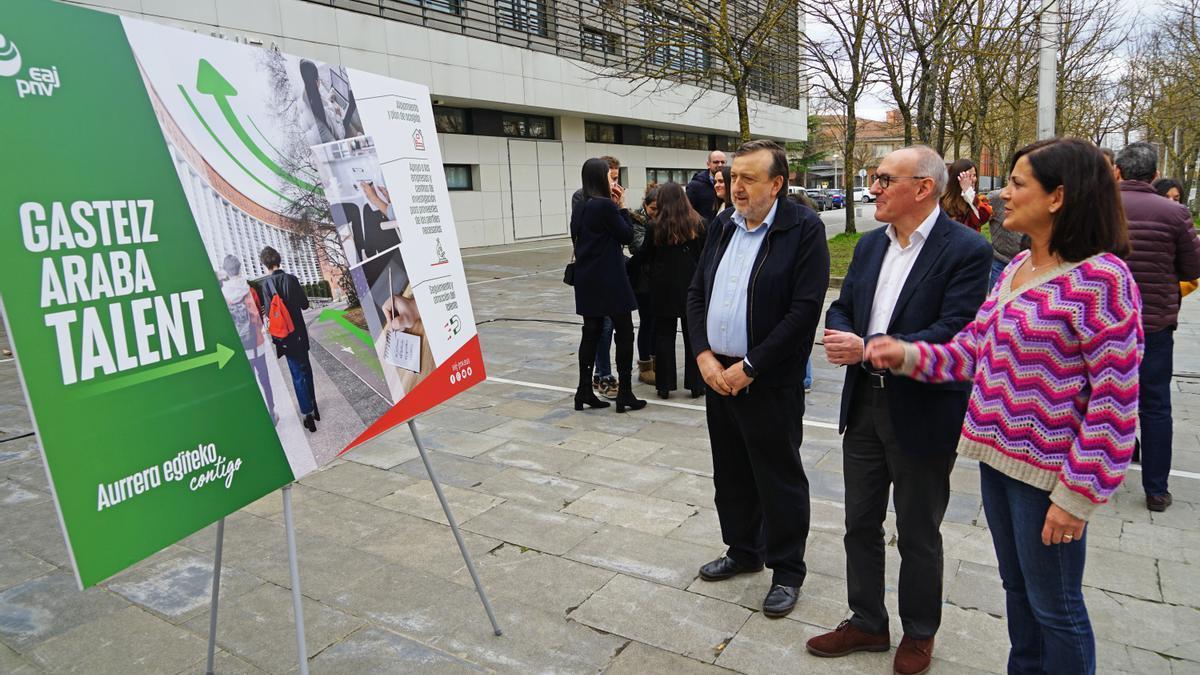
840 67
744 48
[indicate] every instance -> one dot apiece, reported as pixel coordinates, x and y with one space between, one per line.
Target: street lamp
836 158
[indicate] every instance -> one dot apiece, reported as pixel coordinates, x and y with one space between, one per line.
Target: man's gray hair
779 162
931 165
1138 161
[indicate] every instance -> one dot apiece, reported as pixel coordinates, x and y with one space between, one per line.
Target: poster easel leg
216 594
297 610
462 546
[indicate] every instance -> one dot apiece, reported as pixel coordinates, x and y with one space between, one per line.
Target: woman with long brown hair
673 250
961 202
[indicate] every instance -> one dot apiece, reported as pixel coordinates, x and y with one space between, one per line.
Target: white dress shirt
897 263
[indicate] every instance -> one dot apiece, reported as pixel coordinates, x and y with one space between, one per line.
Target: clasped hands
725 381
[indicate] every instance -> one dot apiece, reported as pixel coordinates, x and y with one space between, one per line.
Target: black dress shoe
725 568
310 423
780 601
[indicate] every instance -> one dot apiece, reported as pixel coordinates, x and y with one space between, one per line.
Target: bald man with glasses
921 278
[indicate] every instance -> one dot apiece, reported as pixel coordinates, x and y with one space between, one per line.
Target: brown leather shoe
847 639
913 656
1158 503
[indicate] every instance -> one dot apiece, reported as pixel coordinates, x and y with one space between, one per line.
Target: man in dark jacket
294 347
1165 252
922 277
753 308
1005 244
701 189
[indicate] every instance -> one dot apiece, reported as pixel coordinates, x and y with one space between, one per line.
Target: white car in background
863 196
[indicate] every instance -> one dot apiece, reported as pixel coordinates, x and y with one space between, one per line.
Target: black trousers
873 462
622 336
665 376
762 492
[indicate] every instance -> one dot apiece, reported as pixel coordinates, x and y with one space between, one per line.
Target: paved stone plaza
588 528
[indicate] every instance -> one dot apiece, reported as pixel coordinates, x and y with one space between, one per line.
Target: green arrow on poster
220 357
210 81
339 317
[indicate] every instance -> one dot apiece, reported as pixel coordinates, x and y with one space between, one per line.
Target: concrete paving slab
694 459
703 528
177 583
1161 628
637 554
379 651
1180 582
49 606
685 623
416 543
621 475
533 456
1123 573
17 567
258 627
135 641
639 659
451 469
419 499
688 489
628 509
547 582
531 527
777 646
362 482
547 491
629 449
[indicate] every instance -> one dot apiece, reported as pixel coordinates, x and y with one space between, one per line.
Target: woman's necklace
1043 265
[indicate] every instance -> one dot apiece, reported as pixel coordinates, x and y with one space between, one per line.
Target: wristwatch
749 369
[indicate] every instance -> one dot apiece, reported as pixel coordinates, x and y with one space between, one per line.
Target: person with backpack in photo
284 302
242 302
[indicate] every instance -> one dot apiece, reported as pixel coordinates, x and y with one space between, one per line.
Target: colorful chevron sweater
1054 365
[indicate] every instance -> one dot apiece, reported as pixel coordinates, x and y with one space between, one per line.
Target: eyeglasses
885 180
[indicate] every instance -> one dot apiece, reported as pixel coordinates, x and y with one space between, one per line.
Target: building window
668 38
528 126
595 132
527 16
448 6
680 140
661 176
450 120
599 41
728 143
458 177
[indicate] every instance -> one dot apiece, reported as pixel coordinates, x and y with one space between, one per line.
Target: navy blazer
947 284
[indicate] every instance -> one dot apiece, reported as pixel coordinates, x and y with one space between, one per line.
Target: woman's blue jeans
1048 624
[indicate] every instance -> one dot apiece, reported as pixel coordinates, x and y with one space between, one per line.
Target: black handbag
569 272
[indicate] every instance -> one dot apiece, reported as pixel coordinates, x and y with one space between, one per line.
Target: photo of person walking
284 302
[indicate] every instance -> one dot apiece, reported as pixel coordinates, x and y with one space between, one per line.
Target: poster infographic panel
145 170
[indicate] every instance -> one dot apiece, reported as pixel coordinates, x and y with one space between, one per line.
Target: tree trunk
743 110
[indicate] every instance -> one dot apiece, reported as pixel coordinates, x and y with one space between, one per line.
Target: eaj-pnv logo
10 58
37 81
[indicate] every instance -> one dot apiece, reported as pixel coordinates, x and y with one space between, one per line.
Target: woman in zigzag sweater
1053 355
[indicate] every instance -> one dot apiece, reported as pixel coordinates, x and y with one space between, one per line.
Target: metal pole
297 610
216 594
1047 65
462 546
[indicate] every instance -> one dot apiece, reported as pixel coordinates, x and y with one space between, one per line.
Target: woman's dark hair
651 195
677 221
952 201
595 179
1091 219
720 205
1163 185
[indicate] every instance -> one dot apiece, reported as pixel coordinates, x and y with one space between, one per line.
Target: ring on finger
1068 537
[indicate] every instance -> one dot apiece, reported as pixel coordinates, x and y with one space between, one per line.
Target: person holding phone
599 228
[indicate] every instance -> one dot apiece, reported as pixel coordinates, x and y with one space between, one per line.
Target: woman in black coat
673 249
598 230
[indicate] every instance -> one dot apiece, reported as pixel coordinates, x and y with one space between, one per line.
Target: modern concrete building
515 83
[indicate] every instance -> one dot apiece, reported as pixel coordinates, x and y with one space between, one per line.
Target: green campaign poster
143 170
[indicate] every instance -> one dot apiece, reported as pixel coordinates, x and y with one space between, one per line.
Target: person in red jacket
961 202
1165 252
